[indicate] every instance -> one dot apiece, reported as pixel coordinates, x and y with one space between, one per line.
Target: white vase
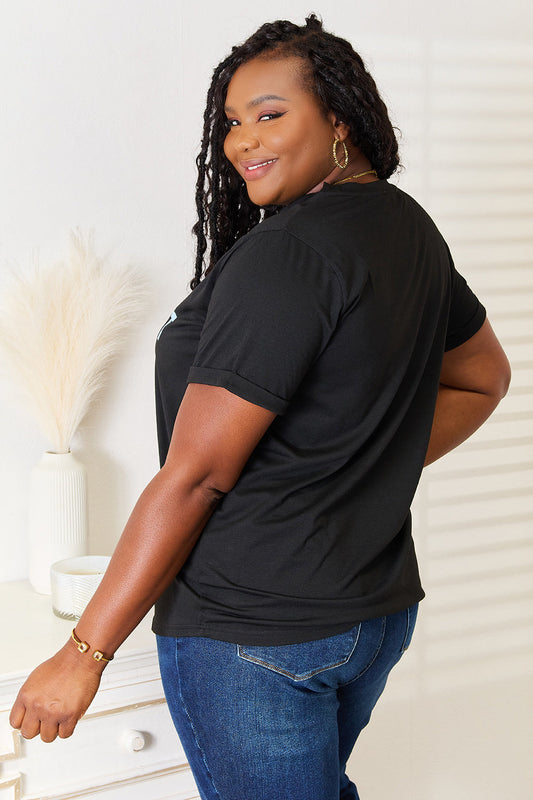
57 515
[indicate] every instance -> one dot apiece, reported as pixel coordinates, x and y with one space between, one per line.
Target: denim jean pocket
301 661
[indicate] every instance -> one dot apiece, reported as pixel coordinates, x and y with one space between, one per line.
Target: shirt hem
249 633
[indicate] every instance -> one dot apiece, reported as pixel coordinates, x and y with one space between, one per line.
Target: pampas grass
60 327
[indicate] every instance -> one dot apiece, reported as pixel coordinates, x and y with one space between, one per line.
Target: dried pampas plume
60 326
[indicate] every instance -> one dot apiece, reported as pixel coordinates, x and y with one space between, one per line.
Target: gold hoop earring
335 159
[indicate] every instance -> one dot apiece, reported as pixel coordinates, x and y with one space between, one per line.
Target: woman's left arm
474 378
214 435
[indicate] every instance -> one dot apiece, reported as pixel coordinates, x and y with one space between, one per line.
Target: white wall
100 118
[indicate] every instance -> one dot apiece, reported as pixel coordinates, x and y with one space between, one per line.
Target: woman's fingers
30 727
17 714
54 697
48 727
46 723
32 722
49 731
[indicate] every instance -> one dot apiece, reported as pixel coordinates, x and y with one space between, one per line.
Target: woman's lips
253 170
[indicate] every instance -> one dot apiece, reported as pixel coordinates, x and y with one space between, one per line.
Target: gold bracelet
83 647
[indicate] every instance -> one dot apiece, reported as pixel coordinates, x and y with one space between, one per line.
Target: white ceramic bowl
74 581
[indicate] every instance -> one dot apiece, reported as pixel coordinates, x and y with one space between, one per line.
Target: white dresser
124 748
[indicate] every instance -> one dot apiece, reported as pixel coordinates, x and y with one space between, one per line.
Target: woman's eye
233 123
272 115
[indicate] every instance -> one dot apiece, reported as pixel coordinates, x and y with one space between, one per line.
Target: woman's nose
246 139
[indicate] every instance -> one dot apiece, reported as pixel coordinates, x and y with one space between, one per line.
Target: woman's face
279 139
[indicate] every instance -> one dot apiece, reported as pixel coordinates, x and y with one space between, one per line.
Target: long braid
201 227
337 76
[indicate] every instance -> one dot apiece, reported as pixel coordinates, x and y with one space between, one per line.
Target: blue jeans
279 723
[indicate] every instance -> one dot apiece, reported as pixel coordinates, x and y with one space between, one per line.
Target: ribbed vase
57 515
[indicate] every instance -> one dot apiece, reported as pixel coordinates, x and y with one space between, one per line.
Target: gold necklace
354 177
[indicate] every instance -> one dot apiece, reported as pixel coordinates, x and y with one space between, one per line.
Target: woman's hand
56 695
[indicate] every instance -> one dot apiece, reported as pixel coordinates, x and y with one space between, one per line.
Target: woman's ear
340 129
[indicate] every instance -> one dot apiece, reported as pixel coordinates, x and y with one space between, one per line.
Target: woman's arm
474 378
214 435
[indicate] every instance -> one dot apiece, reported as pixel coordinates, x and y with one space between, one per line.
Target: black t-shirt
334 314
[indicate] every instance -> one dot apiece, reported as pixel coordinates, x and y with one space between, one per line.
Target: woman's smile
256 168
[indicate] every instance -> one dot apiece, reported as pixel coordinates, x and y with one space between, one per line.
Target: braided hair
335 74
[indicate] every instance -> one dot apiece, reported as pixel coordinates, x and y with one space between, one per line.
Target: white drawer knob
132 741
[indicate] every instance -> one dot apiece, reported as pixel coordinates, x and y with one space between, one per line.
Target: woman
329 351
